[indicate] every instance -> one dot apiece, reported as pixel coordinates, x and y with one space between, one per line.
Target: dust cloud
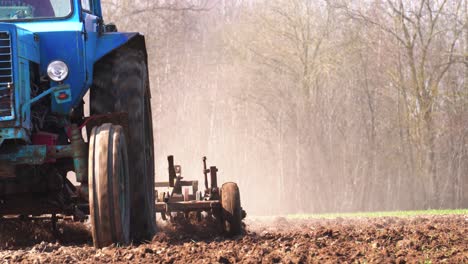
307 106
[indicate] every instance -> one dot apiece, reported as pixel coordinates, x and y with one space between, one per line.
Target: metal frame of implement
179 199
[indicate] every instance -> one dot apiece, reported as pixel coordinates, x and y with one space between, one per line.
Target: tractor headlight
57 71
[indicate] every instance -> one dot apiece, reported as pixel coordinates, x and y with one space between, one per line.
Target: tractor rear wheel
121 85
109 186
232 210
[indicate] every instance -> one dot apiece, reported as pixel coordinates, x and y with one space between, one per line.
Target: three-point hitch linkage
221 203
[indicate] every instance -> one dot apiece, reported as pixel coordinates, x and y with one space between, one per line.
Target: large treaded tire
109 186
232 209
121 85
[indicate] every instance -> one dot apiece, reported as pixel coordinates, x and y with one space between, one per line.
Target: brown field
431 239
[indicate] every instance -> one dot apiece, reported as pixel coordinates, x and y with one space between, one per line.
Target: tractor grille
6 78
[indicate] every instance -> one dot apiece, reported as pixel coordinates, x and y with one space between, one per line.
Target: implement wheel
121 85
109 186
232 210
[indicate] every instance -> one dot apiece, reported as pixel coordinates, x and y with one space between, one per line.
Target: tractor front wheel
109 186
121 85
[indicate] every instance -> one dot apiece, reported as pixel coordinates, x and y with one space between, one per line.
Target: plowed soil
431 239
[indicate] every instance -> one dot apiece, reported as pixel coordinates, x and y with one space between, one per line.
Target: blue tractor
51 53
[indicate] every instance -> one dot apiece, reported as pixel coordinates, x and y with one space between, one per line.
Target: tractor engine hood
79 47
20 49
38 44
42 48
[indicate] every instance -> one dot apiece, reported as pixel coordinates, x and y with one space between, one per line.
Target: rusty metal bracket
172 172
41 154
79 154
214 177
187 206
17 155
205 172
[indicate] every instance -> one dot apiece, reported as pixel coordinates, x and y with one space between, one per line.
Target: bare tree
312 106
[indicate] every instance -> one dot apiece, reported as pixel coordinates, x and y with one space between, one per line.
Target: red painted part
68 130
44 138
63 96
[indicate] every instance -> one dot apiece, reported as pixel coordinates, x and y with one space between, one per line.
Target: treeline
312 106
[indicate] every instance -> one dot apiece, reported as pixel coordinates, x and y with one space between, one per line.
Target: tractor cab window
34 9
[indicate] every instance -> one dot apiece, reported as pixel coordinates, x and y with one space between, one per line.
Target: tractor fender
111 41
